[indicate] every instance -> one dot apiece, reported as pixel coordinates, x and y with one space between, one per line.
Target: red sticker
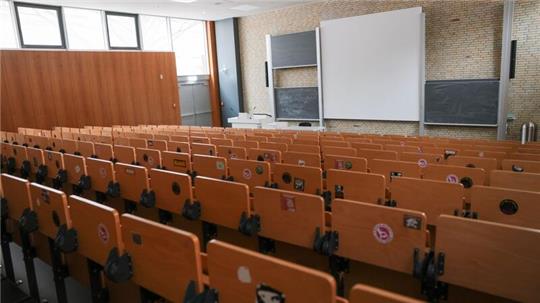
246 173
383 233
339 164
288 203
452 179
422 163
103 233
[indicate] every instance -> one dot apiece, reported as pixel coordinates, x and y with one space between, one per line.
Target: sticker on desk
288 203
259 170
246 173
102 172
299 184
412 222
266 294
243 274
452 178
103 233
423 163
339 164
180 163
220 165
301 162
130 171
150 160
383 233
77 169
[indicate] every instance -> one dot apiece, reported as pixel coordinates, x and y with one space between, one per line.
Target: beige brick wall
463 41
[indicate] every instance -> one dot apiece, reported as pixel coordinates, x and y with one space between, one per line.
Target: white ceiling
198 9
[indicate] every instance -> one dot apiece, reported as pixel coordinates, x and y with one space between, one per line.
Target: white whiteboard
372 66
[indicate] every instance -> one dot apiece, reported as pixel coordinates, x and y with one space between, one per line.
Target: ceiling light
245 7
184 1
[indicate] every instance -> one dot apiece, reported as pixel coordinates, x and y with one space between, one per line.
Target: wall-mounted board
293 50
297 103
473 102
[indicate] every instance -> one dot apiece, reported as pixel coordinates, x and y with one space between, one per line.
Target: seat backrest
429 196
16 191
521 156
177 162
180 138
221 141
241 275
101 173
98 228
222 202
54 161
289 217
362 293
203 149
345 163
133 180
282 147
163 267
179 147
197 138
473 251
521 165
302 159
364 145
75 167
231 152
160 145
402 148
371 233
334 143
371 154
357 186
51 208
246 144
86 149
124 154
172 189
210 166
149 158
423 159
104 151
304 148
137 142
509 179
392 168
297 178
280 140
508 206
36 158
253 173
488 164
455 174
268 155
343 151
70 146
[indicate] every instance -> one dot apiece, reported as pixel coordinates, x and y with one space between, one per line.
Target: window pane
7 30
39 26
122 31
155 34
189 43
84 28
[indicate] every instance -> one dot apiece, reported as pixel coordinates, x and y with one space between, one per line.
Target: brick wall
463 41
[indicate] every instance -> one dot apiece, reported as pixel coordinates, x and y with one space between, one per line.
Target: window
189 44
7 30
40 26
84 28
123 30
155 33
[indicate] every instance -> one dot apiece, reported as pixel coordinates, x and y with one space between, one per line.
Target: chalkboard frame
277 109
462 121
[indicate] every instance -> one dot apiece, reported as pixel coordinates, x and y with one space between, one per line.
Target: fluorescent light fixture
184 1
245 7
192 78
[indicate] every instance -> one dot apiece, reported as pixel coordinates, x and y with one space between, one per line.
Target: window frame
137 30
61 28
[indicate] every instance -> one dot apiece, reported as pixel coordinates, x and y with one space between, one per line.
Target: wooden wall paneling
215 101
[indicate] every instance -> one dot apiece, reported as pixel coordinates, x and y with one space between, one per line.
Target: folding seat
280 140
226 204
250 172
143 136
215 135
16 160
391 168
161 137
121 141
429 196
134 186
104 151
76 173
403 148
342 151
423 159
231 152
441 150
521 165
455 174
37 141
289 217
85 149
528 157
244 276
180 138
334 143
137 142
302 148
173 192
236 137
103 178
371 154
469 254
345 163
246 144
297 178
170 269
268 155
209 166
105 139
312 141
221 141
302 159
359 140
55 144
177 162
203 149
149 158
282 147
362 293
124 154
69 146
160 145
494 148
179 147
528 150
259 139
499 155
514 180
371 233
357 186
488 164
38 168
54 161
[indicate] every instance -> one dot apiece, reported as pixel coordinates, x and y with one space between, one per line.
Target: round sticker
103 233
348 164
452 179
383 233
77 169
481 154
259 170
422 163
103 172
301 162
243 274
150 160
246 173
